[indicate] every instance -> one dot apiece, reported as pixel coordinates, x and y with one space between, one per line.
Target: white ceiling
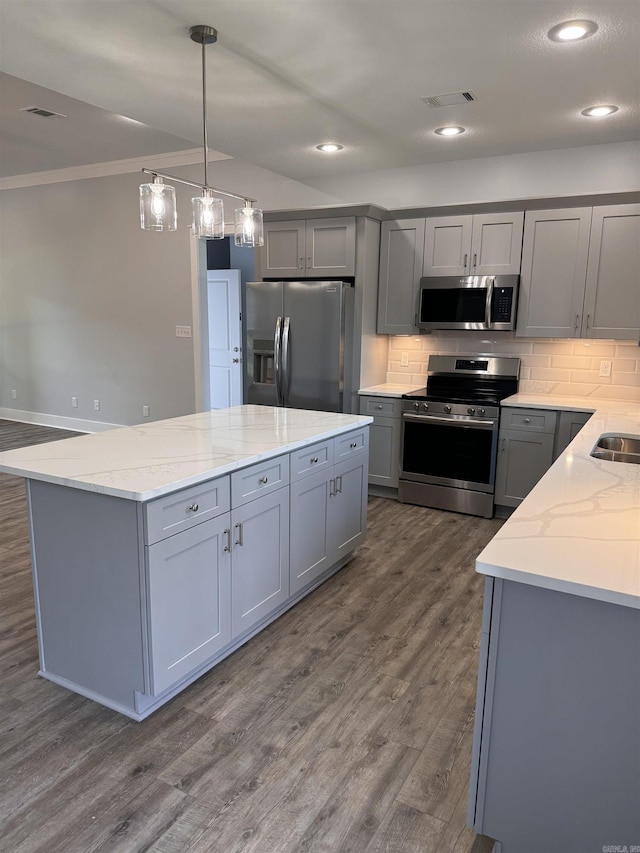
288 74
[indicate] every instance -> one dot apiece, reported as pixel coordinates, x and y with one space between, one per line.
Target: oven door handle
467 422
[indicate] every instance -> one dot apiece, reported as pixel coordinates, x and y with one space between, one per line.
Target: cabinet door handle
263 480
466 256
301 264
332 486
588 319
309 263
227 533
194 508
475 259
339 487
314 459
503 444
575 325
240 539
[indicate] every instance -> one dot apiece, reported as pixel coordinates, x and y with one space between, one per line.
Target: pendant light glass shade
248 227
158 207
208 216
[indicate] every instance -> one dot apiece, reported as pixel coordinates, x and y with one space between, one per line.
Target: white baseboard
59 421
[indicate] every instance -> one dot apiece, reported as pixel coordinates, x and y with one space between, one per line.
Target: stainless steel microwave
471 302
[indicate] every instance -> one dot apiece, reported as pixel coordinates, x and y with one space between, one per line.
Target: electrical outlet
183 331
605 368
96 405
14 394
145 411
404 359
74 402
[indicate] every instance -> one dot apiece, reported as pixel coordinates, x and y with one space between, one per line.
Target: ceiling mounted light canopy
449 131
572 30
158 201
599 111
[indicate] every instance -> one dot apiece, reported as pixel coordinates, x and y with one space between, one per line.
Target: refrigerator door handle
285 359
277 360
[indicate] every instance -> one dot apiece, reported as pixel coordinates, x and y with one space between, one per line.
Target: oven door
456 451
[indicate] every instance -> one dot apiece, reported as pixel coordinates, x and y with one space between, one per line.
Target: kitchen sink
618 448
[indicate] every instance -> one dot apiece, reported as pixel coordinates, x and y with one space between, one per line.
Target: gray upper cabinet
401 253
612 295
481 244
312 248
554 266
581 273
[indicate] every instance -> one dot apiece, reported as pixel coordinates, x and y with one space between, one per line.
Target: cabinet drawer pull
353 444
378 406
227 533
314 459
527 420
263 480
240 539
194 507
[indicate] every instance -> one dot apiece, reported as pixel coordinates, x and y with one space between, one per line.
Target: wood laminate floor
344 726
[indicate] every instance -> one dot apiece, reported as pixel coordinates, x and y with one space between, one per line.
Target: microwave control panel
502 305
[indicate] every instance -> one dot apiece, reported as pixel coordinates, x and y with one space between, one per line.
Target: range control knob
471 411
416 405
425 406
481 411
447 409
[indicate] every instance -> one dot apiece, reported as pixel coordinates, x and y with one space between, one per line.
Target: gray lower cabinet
556 739
530 440
260 559
525 452
384 439
135 600
328 510
189 579
569 425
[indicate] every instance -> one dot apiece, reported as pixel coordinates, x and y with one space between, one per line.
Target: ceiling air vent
38 111
450 99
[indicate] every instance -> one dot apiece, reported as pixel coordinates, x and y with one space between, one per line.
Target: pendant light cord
204 112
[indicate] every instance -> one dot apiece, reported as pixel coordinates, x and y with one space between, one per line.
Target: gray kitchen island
159 549
556 754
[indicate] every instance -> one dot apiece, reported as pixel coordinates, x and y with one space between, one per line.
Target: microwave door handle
487 318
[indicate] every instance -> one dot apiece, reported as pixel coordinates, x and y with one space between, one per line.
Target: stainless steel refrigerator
299 347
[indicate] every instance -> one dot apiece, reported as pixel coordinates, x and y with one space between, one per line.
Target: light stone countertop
578 530
390 389
149 460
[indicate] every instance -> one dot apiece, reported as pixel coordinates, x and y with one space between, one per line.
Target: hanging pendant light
158 206
157 201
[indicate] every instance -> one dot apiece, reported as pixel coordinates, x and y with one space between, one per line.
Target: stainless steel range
450 433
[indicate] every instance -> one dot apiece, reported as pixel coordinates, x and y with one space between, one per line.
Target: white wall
569 171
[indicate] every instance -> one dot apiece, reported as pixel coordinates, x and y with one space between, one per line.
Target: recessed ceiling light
329 147
572 30
449 131
599 111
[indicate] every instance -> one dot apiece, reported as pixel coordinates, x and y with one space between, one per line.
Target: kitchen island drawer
183 509
351 443
533 420
389 407
256 480
311 459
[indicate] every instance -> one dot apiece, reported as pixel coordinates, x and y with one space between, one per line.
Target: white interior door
225 338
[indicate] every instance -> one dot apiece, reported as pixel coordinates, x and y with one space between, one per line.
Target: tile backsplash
547 366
